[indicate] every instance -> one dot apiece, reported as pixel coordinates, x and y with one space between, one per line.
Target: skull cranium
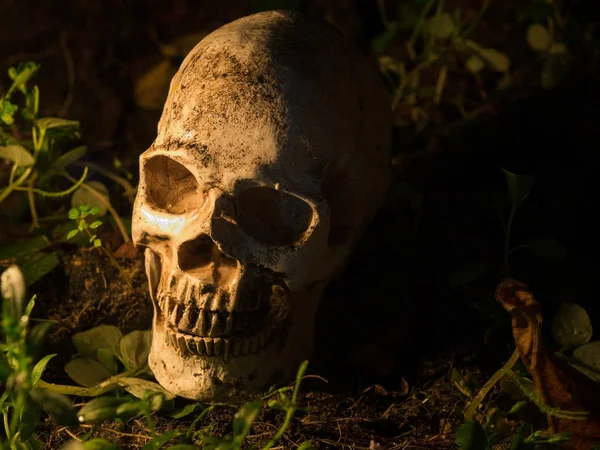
272 155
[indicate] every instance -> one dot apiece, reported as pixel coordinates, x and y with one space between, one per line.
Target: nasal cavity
202 255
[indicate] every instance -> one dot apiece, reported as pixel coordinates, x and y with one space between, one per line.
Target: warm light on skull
272 154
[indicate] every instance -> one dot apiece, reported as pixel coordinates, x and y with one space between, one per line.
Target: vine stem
507 230
94 391
476 401
12 187
291 410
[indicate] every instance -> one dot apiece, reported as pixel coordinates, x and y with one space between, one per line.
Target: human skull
272 155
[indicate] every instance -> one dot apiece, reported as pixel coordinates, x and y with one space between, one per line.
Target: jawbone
213 379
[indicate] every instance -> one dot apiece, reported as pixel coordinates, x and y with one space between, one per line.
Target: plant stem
475 22
546 409
290 411
509 223
109 207
476 401
11 187
35 222
130 191
94 391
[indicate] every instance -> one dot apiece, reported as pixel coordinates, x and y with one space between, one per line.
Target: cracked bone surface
271 157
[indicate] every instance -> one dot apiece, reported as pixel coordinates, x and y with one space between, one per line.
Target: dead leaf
126 250
557 383
152 88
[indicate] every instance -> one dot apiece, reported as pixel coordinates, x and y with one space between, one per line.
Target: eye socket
271 216
170 186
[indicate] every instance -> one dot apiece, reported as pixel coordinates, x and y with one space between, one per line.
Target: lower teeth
218 347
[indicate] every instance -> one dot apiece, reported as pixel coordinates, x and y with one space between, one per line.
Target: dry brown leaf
557 383
152 88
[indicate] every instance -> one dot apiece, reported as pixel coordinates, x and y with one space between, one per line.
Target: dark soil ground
393 326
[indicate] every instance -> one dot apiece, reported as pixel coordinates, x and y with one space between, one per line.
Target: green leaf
547 248
101 408
37 334
441 26
95 210
87 372
496 61
30 417
519 187
22 74
88 342
135 347
306 445
129 410
571 325
380 42
589 357
538 37
472 436
139 387
95 224
161 440
474 64
74 213
39 368
62 162
83 197
69 158
92 444
24 248
519 406
186 410
29 307
72 233
58 406
244 418
518 440
37 267
32 103
18 154
7 112
108 360
97 243
47 123
99 444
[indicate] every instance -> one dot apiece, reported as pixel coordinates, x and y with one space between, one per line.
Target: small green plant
79 215
246 416
150 400
22 401
34 153
505 208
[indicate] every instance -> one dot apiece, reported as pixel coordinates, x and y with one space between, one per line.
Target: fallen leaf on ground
557 383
